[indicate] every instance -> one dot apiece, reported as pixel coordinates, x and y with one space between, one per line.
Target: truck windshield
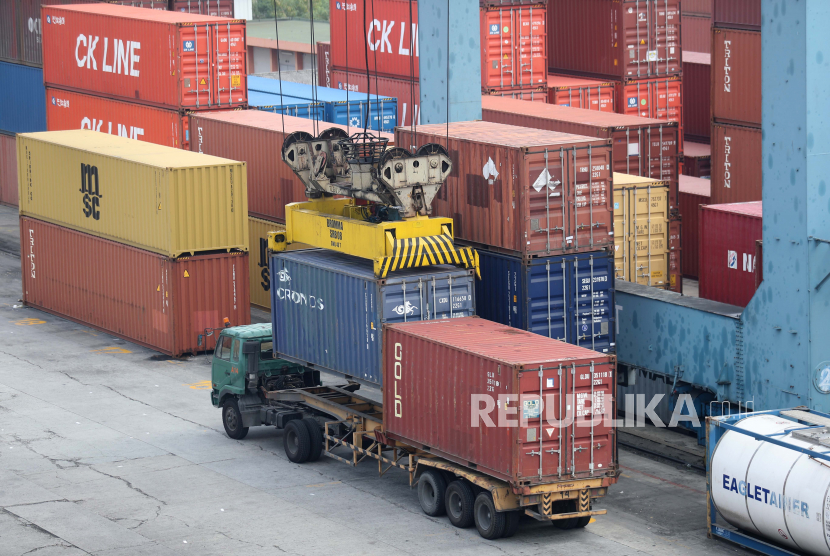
266 350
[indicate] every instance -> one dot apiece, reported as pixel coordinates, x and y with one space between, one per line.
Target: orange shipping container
539 94
737 167
513 46
576 92
661 99
8 170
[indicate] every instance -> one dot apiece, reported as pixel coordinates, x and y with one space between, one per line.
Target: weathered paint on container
697 7
728 234
22 98
513 45
146 298
328 309
551 296
577 92
523 191
693 193
8 170
697 160
256 137
736 76
737 14
407 92
71 110
627 39
641 230
539 94
696 33
260 273
218 8
161 199
169 59
660 99
323 53
697 117
640 146
737 167
428 406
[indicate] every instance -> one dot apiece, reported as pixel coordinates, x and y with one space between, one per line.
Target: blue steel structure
776 352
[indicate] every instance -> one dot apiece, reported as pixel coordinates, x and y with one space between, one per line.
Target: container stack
580 92
696 26
693 193
147 243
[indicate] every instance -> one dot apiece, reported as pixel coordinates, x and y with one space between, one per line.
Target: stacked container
697 160
147 243
696 22
697 70
580 92
694 192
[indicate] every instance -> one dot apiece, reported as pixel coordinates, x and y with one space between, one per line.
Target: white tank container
771 491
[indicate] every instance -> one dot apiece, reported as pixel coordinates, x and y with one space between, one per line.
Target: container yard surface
110 448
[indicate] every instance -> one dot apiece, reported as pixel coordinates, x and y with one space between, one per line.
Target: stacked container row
694 192
697 69
696 24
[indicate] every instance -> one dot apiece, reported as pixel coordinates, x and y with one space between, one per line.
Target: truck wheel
459 502
296 441
572 523
316 437
432 489
489 522
232 419
511 524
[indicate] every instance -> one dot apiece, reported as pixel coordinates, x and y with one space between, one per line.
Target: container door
637 42
196 63
589 447
428 298
649 224
666 35
630 152
591 198
675 247
621 233
542 405
497 66
546 299
599 98
546 197
229 59
531 51
592 302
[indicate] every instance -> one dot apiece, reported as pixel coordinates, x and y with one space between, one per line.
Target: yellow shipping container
641 228
153 197
260 276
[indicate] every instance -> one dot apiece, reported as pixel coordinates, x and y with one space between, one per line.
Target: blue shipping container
342 107
297 107
328 309
22 99
551 296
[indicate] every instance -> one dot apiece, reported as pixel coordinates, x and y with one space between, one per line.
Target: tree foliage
264 9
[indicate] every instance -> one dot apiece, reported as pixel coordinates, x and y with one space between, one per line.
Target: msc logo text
90 191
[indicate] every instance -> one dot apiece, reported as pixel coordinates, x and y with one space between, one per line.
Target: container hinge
579 449
552 451
534 453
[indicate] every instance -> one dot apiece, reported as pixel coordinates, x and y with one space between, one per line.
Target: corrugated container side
323 54
539 94
9 32
218 8
693 193
551 296
697 160
727 251
736 76
260 273
328 309
737 168
23 98
676 253
589 94
503 193
149 4
513 46
8 170
697 68
660 99
426 406
165 200
401 89
149 299
701 7
696 33
737 14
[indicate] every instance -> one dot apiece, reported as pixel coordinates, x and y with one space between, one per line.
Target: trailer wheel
460 501
432 489
511 524
232 420
572 523
489 522
296 441
316 437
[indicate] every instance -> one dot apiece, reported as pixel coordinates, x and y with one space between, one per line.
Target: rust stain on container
693 193
697 68
736 76
737 168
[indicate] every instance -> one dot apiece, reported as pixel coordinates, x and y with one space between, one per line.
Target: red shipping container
513 46
167 59
696 93
323 54
576 92
151 4
70 110
737 14
392 37
533 95
403 90
697 160
627 39
693 193
8 170
676 253
727 251
566 392
661 99
736 76
737 168
143 297
700 7
217 8
697 33
521 190
640 146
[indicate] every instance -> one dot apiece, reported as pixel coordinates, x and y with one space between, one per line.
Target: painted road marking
28 322
111 349
202 385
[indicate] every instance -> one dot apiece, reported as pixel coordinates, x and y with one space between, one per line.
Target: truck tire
232 420
316 436
511 524
432 489
296 441
489 522
459 502
572 523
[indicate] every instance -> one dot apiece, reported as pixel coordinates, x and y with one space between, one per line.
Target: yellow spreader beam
340 225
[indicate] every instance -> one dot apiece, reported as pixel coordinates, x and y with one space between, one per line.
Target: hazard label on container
236 80
202 81
186 274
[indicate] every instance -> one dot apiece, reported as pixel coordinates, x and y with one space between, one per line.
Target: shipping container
697 160
737 168
640 146
693 193
407 92
323 53
660 99
149 299
70 110
513 45
23 99
696 33
164 200
698 7
539 94
150 4
676 253
328 309
392 32
641 230
697 79
520 190
203 58
737 14
8 170
551 296
736 76
289 106
217 8
728 234
566 435
577 92
628 39
256 137
260 273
